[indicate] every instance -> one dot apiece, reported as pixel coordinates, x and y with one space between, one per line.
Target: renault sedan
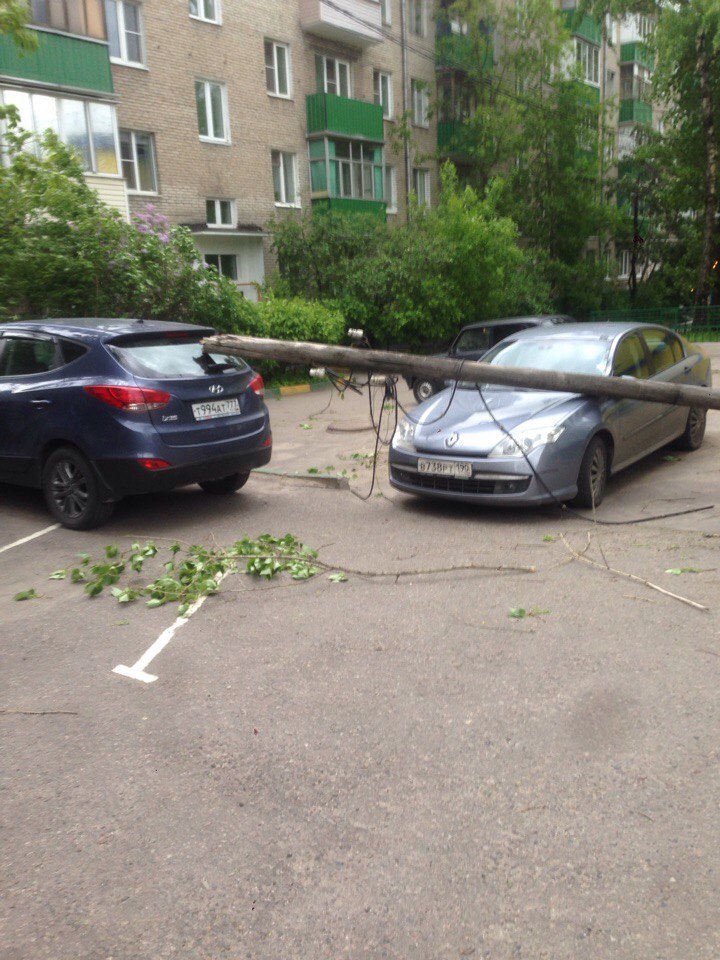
502 445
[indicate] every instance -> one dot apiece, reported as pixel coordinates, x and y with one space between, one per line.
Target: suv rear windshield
162 358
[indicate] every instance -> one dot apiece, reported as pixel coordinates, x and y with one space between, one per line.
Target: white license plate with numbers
211 409
446 468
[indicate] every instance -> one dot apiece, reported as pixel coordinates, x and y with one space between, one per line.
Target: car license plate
446 468
210 409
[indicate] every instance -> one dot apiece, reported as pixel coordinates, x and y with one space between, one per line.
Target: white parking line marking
33 536
137 670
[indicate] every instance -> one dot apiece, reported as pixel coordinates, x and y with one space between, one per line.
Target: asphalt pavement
389 767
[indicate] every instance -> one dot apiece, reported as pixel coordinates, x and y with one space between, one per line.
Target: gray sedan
502 445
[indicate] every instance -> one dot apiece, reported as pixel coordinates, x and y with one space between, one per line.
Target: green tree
14 20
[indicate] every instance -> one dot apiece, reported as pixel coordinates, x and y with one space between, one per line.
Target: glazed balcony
344 116
356 23
65 61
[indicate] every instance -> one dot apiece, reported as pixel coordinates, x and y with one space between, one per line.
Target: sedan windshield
566 355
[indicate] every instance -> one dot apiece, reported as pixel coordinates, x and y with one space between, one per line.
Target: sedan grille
428 481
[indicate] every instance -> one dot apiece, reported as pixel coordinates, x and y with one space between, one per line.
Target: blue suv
93 410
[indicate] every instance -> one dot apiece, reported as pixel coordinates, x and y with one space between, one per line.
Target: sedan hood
477 432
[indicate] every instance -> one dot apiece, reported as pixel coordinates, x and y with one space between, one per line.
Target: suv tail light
257 385
133 399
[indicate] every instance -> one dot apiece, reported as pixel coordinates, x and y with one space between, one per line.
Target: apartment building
66 85
225 114
234 113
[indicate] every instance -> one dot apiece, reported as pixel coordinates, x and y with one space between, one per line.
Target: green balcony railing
61 60
327 113
584 26
635 111
636 52
457 52
453 138
375 208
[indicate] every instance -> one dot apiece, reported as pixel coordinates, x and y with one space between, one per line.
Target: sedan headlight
526 439
404 436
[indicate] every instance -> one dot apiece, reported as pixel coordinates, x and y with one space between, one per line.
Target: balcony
343 116
455 51
636 52
374 208
453 138
584 26
61 60
635 111
356 23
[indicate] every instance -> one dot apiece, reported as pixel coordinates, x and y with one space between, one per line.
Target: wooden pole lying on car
439 368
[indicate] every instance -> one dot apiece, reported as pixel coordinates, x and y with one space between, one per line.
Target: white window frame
416 5
624 260
587 55
419 96
209 138
133 144
386 12
221 224
426 177
284 154
122 60
390 201
337 61
288 69
378 76
59 98
217 19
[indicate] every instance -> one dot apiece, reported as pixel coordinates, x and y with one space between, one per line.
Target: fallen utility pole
438 368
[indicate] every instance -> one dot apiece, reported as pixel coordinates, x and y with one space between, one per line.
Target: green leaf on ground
30 594
517 613
338 577
548 538
677 571
313 470
58 575
306 426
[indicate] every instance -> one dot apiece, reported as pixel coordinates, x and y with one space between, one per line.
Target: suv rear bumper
123 477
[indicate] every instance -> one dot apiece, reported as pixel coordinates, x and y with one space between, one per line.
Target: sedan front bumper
509 481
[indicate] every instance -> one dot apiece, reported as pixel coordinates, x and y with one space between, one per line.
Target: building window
419 94
587 56
346 168
277 68
332 75
212 112
390 190
624 263
421 186
382 92
137 152
82 17
284 171
224 263
645 26
208 10
386 11
87 127
220 213
417 17
124 27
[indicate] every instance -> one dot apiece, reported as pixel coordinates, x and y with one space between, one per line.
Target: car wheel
225 484
72 491
694 433
593 475
423 390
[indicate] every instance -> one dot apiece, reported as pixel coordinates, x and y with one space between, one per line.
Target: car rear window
165 359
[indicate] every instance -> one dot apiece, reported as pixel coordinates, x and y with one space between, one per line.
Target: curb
291 390
340 483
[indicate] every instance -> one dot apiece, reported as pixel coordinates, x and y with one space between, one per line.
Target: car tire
593 475
694 433
225 485
423 390
72 491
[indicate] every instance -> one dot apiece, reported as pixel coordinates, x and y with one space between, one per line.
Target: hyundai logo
216 388
452 439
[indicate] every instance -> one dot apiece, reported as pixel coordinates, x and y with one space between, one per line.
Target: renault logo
452 439
216 388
